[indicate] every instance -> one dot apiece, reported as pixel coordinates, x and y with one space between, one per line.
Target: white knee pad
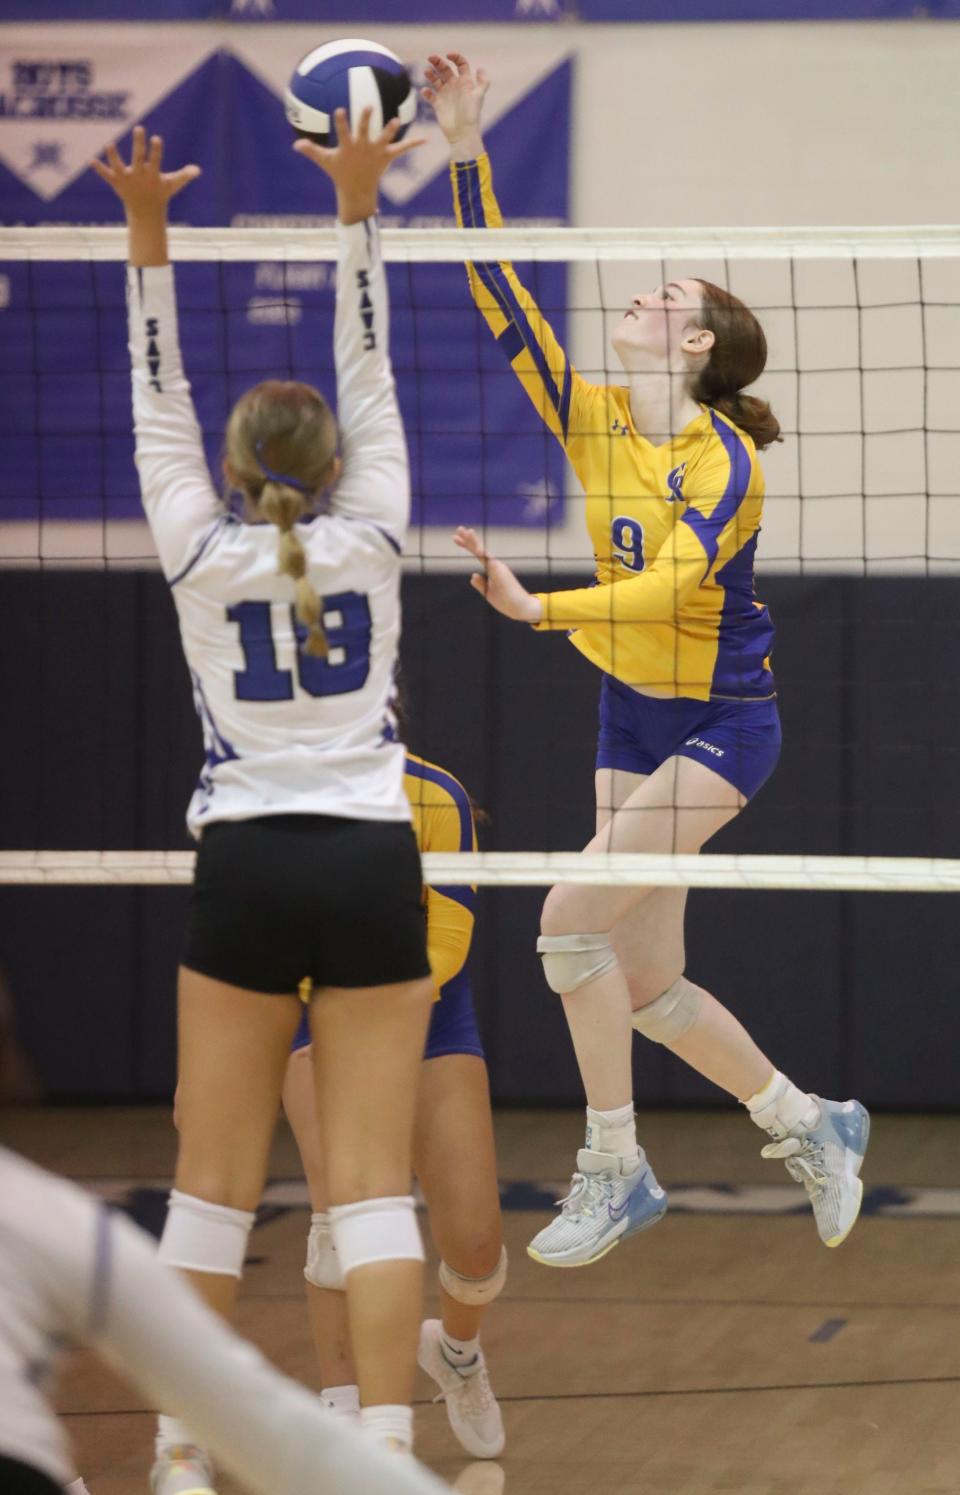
574 960
323 1263
475 1292
203 1237
672 1014
375 1230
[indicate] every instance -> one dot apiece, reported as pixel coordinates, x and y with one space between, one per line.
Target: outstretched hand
455 93
357 162
142 186
497 583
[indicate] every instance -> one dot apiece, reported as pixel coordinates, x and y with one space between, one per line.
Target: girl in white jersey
307 866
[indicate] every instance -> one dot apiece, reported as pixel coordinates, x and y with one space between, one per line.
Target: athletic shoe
182 1471
471 1405
827 1160
604 1206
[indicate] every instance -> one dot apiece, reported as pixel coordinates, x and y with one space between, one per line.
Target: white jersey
284 732
73 1271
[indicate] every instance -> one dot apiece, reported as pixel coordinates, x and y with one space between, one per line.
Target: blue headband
279 477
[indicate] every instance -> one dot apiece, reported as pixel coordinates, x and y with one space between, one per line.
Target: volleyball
354 75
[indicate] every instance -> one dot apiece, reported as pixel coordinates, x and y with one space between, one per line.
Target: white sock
76 1487
780 1108
389 1424
462 1354
343 1399
613 1131
172 1433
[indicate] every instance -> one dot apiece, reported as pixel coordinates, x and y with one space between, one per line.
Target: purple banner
478 451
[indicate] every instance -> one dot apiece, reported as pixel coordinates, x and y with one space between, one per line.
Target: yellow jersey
443 821
674 527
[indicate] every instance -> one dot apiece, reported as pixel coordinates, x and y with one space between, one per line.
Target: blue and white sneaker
604 1206
827 1161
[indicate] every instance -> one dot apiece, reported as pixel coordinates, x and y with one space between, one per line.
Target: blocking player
307 864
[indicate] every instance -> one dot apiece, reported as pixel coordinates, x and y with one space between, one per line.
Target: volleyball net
860 543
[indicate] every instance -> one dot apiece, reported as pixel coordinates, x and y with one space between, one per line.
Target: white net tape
450 245
847 874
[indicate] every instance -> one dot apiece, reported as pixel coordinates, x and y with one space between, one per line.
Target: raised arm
563 399
181 504
375 481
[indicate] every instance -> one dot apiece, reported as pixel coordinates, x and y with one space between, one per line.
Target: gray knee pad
672 1014
474 1292
574 960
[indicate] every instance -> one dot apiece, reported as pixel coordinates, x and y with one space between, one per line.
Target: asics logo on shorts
707 747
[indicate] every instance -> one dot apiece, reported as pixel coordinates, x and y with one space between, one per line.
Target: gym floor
725 1350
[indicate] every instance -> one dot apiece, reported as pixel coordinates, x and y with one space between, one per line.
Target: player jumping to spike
689 729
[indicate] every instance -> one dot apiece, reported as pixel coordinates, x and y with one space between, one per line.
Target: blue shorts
453 1023
739 740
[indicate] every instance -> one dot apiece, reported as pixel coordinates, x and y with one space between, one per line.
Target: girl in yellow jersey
689 729
454 1154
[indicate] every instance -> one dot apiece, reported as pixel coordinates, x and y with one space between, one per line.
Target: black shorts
284 897
23 1479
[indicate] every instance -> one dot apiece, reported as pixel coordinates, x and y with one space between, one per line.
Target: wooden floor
720 1352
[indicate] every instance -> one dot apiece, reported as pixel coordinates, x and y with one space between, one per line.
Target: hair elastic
279 477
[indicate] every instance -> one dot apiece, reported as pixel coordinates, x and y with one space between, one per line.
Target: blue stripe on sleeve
510 341
566 392
469 195
497 283
495 280
708 527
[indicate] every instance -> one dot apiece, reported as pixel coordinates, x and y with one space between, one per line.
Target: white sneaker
182 1471
827 1161
606 1204
471 1405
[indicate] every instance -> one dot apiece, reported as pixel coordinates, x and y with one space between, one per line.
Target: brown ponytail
738 357
281 443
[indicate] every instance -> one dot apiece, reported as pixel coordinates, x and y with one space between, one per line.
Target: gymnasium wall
772 122
835 120
850 993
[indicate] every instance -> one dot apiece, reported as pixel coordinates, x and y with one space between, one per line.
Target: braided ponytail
281 446
283 506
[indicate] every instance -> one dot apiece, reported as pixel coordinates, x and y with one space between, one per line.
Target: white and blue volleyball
354 75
